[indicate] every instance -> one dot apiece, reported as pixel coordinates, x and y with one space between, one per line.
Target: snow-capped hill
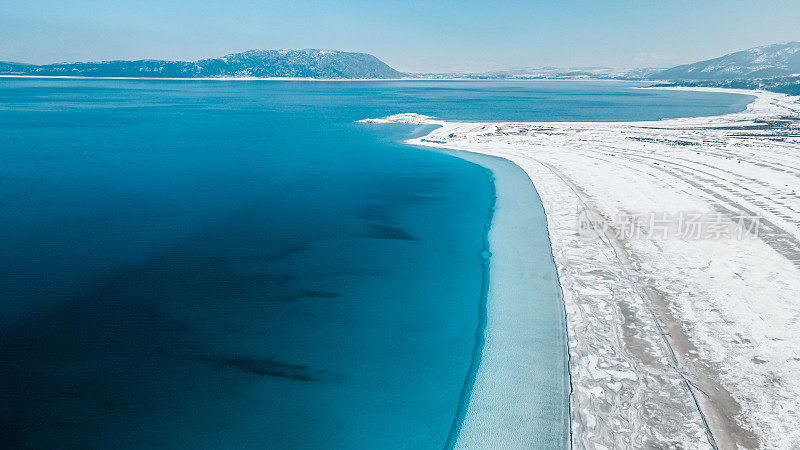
760 62
309 63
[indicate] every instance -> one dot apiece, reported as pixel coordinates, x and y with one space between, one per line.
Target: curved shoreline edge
525 328
565 324
631 303
480 329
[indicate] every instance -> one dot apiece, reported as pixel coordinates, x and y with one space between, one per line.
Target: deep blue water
239 264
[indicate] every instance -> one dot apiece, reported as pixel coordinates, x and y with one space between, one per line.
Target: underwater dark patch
389 232
265 367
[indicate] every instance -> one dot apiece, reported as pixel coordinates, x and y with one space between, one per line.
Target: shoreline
75 77
497 411
480 330
669 350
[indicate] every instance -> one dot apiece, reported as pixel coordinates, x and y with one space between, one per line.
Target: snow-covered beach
677 244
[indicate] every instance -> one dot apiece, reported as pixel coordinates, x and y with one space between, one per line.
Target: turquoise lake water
239 264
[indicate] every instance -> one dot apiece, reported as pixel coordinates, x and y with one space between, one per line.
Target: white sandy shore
675 340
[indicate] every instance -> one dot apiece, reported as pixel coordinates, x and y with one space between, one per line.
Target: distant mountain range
776 60
310 63
770 61
547 73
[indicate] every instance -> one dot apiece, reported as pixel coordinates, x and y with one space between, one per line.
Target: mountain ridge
283 63
767 61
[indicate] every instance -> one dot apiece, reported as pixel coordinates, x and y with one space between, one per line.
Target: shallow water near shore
206 264
524 338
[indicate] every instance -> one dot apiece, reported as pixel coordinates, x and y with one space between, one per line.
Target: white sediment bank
525 336
684 330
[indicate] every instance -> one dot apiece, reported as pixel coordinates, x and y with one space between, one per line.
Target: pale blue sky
409 35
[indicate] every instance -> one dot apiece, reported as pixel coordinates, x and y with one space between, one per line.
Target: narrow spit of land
677 337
